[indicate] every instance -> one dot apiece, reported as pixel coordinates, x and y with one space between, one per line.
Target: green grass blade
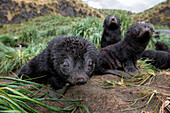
37 102
10 111
63 100
42 91
17 87
85 108
25 106
12 103
4 108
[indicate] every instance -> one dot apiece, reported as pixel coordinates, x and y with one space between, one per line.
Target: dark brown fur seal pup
160 59
162 46
65 60
123 55
111 31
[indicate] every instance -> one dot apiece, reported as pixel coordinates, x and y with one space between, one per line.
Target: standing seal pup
122 56
111 31
66 59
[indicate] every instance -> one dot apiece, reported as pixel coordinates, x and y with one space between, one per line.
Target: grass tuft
15 96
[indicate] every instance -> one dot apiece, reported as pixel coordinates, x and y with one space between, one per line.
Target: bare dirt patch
116 99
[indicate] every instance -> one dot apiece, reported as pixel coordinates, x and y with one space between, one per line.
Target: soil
115 99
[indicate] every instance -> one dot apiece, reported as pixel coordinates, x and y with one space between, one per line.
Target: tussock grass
8 40
89 28
15 96
28 35
12 59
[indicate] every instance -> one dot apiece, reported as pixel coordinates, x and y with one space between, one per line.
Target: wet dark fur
65 60
111 31
124 54
160 59
162 46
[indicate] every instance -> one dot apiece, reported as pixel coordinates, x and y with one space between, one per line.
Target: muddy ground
116 99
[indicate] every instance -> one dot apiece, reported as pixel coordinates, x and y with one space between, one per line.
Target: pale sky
129 5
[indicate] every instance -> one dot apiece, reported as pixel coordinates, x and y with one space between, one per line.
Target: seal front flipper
118 73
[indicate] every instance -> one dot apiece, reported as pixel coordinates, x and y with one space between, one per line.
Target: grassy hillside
158 15
13 11
114 11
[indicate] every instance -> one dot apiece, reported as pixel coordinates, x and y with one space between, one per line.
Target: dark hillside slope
13 11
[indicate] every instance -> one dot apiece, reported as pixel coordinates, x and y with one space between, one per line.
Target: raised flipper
118 73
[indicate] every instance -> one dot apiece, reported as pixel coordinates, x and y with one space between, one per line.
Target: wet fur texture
162 46
111 31
123 55
160 59
65 60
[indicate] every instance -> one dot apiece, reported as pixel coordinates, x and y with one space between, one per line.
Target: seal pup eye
65 64
90 63
136 29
